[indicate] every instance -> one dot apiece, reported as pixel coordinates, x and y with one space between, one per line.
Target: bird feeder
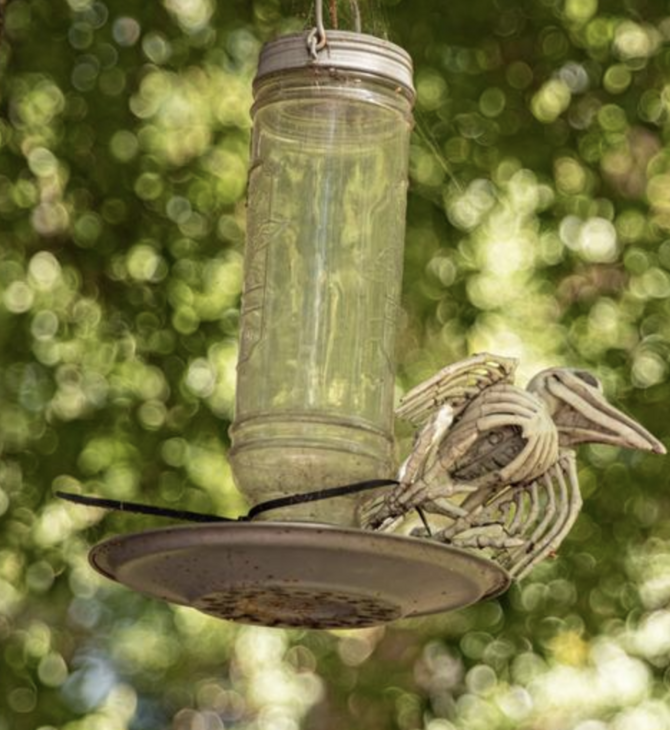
326 221
314 406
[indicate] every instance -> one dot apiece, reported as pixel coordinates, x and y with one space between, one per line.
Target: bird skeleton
496 462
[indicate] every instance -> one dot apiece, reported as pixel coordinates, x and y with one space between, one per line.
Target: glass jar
323 270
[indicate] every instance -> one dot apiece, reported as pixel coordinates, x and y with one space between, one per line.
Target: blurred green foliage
538 226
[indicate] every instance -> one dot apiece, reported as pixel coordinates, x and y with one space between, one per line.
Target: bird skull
582 415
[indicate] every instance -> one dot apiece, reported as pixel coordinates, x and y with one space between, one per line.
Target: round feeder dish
298 574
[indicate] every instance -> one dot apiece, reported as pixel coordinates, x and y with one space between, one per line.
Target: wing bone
456 385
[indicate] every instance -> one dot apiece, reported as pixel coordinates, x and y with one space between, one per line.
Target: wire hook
316 40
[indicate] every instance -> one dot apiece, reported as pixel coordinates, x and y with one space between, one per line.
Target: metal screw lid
345 51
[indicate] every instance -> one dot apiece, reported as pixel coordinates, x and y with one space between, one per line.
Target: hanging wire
356 15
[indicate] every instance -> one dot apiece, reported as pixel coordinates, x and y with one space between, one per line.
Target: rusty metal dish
298 574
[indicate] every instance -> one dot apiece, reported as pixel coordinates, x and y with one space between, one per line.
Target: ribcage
505 436
493 450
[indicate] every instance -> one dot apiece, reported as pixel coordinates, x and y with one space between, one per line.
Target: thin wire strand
428 138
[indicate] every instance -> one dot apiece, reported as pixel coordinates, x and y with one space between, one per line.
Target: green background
538 227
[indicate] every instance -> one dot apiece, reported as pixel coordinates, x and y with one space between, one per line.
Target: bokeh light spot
617 78
580 11
126 31
551 100
18 297
492 102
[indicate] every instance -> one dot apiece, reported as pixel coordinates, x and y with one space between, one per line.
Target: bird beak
588 418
